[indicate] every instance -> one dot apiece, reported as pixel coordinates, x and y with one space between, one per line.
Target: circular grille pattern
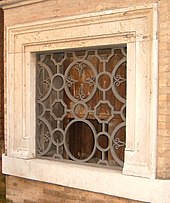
81 106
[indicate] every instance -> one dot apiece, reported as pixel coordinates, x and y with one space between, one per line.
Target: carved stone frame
137 28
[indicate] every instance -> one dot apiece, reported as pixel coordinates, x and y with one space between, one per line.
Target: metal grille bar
81 105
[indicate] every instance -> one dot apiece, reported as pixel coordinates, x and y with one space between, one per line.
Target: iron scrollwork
81 105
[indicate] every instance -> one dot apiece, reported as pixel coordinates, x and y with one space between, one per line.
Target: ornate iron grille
81 105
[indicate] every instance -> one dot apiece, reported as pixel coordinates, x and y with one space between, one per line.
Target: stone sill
7 4
107 181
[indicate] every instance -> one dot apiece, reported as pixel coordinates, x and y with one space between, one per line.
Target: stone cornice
7 4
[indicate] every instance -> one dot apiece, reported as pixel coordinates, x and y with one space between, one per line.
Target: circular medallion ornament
80 79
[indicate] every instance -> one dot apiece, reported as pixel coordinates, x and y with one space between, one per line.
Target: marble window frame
137 28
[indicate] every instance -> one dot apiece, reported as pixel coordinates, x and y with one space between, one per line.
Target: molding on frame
136 27
8 4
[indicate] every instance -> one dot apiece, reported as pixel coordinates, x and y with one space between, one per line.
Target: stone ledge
7 4
105 181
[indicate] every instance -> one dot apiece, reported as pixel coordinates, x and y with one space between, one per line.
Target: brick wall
32 191
62 8
2 177
1 76
27 191
163 157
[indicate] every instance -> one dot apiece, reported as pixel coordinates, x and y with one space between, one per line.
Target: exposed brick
49 193
163 144
29 201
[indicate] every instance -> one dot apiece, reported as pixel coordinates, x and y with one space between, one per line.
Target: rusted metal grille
81 105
